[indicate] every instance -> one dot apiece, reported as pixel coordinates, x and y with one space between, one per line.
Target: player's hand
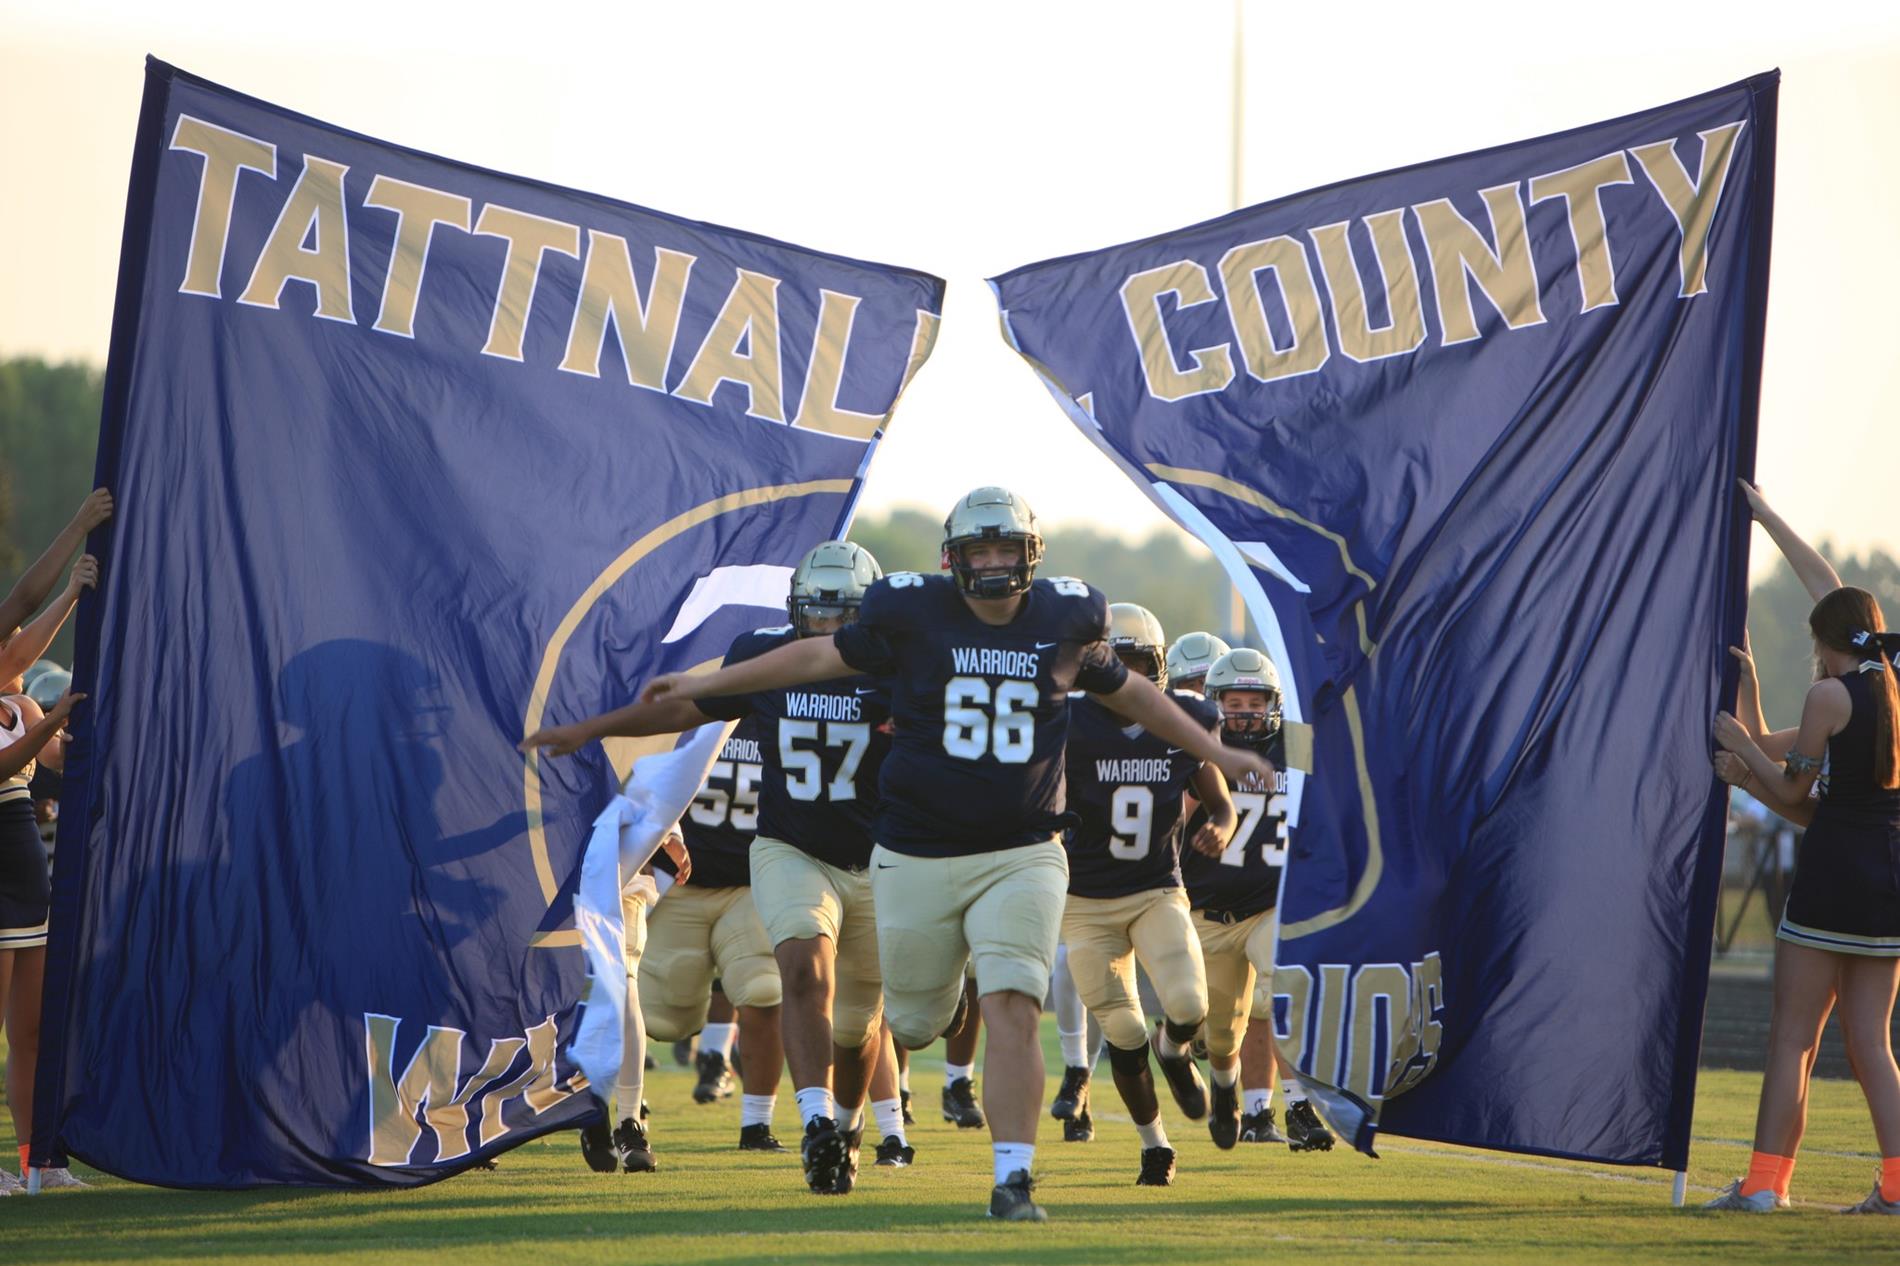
1757 505
665 686
85 575
1729 734
1748 678
1211 839
559 740
94 510
64 707
1731 769
1245 769
682 860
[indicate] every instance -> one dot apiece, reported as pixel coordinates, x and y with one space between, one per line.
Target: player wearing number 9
969 865
1126 899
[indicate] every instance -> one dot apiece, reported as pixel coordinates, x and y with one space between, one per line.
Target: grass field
710 1203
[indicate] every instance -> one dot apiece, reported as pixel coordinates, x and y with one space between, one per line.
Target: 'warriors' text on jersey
1245 878
823 746
718 826
1125 789
981 710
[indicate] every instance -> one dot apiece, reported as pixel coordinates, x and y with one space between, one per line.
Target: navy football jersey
1125 789
822 746
719 824
1245 878
981 711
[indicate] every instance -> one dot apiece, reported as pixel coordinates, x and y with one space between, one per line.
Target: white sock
756 1109
718 1037
1256 1100
816 1102
1075 1048
1225 1076
1293 1092
850 1119
630 1081
903 1079
952 1072
1167 1045
1153 1134
890 1119
1011 1157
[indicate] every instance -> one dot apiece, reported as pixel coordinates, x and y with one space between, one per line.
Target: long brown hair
1835 621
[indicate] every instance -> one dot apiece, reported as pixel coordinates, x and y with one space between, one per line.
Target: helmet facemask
993 582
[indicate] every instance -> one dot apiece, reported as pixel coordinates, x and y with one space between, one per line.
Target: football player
969 861
625 1147
1190 658
1233 895
1126 901
821 749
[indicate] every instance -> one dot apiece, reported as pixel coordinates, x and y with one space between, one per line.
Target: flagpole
1237 126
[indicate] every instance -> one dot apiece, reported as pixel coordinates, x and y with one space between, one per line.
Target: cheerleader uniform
1846 893
24 891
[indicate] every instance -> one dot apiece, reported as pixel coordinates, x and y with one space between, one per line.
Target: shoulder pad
1080 610
905 599
749 645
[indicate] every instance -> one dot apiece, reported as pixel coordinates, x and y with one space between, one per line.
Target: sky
971 138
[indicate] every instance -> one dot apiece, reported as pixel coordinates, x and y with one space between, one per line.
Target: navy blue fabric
723 819
347 570
811 734
1504 571
1111 853
981 711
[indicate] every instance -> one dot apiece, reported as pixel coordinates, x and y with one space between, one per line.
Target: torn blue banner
1466 436
410 458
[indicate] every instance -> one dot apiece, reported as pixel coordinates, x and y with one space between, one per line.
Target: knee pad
1179 1033
753 981
1128 1063
1123 1027
854 1012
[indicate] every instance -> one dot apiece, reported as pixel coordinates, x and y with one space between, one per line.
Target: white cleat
1732 1200
11 1186
1875 1203
60 1179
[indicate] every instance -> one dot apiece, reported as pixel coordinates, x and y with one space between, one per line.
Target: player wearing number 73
1126 901
969 865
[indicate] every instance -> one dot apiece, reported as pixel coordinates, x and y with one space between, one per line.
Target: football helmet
990 514
1134 633
830 581
1245 668
1193 655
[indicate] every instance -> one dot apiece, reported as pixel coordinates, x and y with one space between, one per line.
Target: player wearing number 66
969 863
1126 899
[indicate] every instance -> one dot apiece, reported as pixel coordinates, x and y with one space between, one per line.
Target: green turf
710 1203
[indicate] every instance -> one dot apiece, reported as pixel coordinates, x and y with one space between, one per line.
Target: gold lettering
529 238
1693 205
1507 275
535 1086
418 210
645 330
315 206
1295 984
1406 329
749 315
1285 258
429 1078
1141 301
1428 996
1581 187
1331 1021
818 403
226 154
1373 982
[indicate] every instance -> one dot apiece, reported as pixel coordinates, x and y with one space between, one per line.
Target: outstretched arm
1139 701
18 652
1211 790
1814 572
667 716
30 590
1823 715
793 664
20 753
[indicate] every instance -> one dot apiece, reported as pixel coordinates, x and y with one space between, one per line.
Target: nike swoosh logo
867 690
1043 646
1176 751
882 866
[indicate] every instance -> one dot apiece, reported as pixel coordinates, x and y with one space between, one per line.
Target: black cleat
651 1063
894 1153
683 1052
826 1155
1199 1048
597 1147
759 1138
715 1078
1223 1116
903 1097
1304 1130
959 1105
1073 1097
1079 1128
645 1112
848 1177
1258 1127
636 1154
1013 1200
1184 1081
484 1166
1157 1167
